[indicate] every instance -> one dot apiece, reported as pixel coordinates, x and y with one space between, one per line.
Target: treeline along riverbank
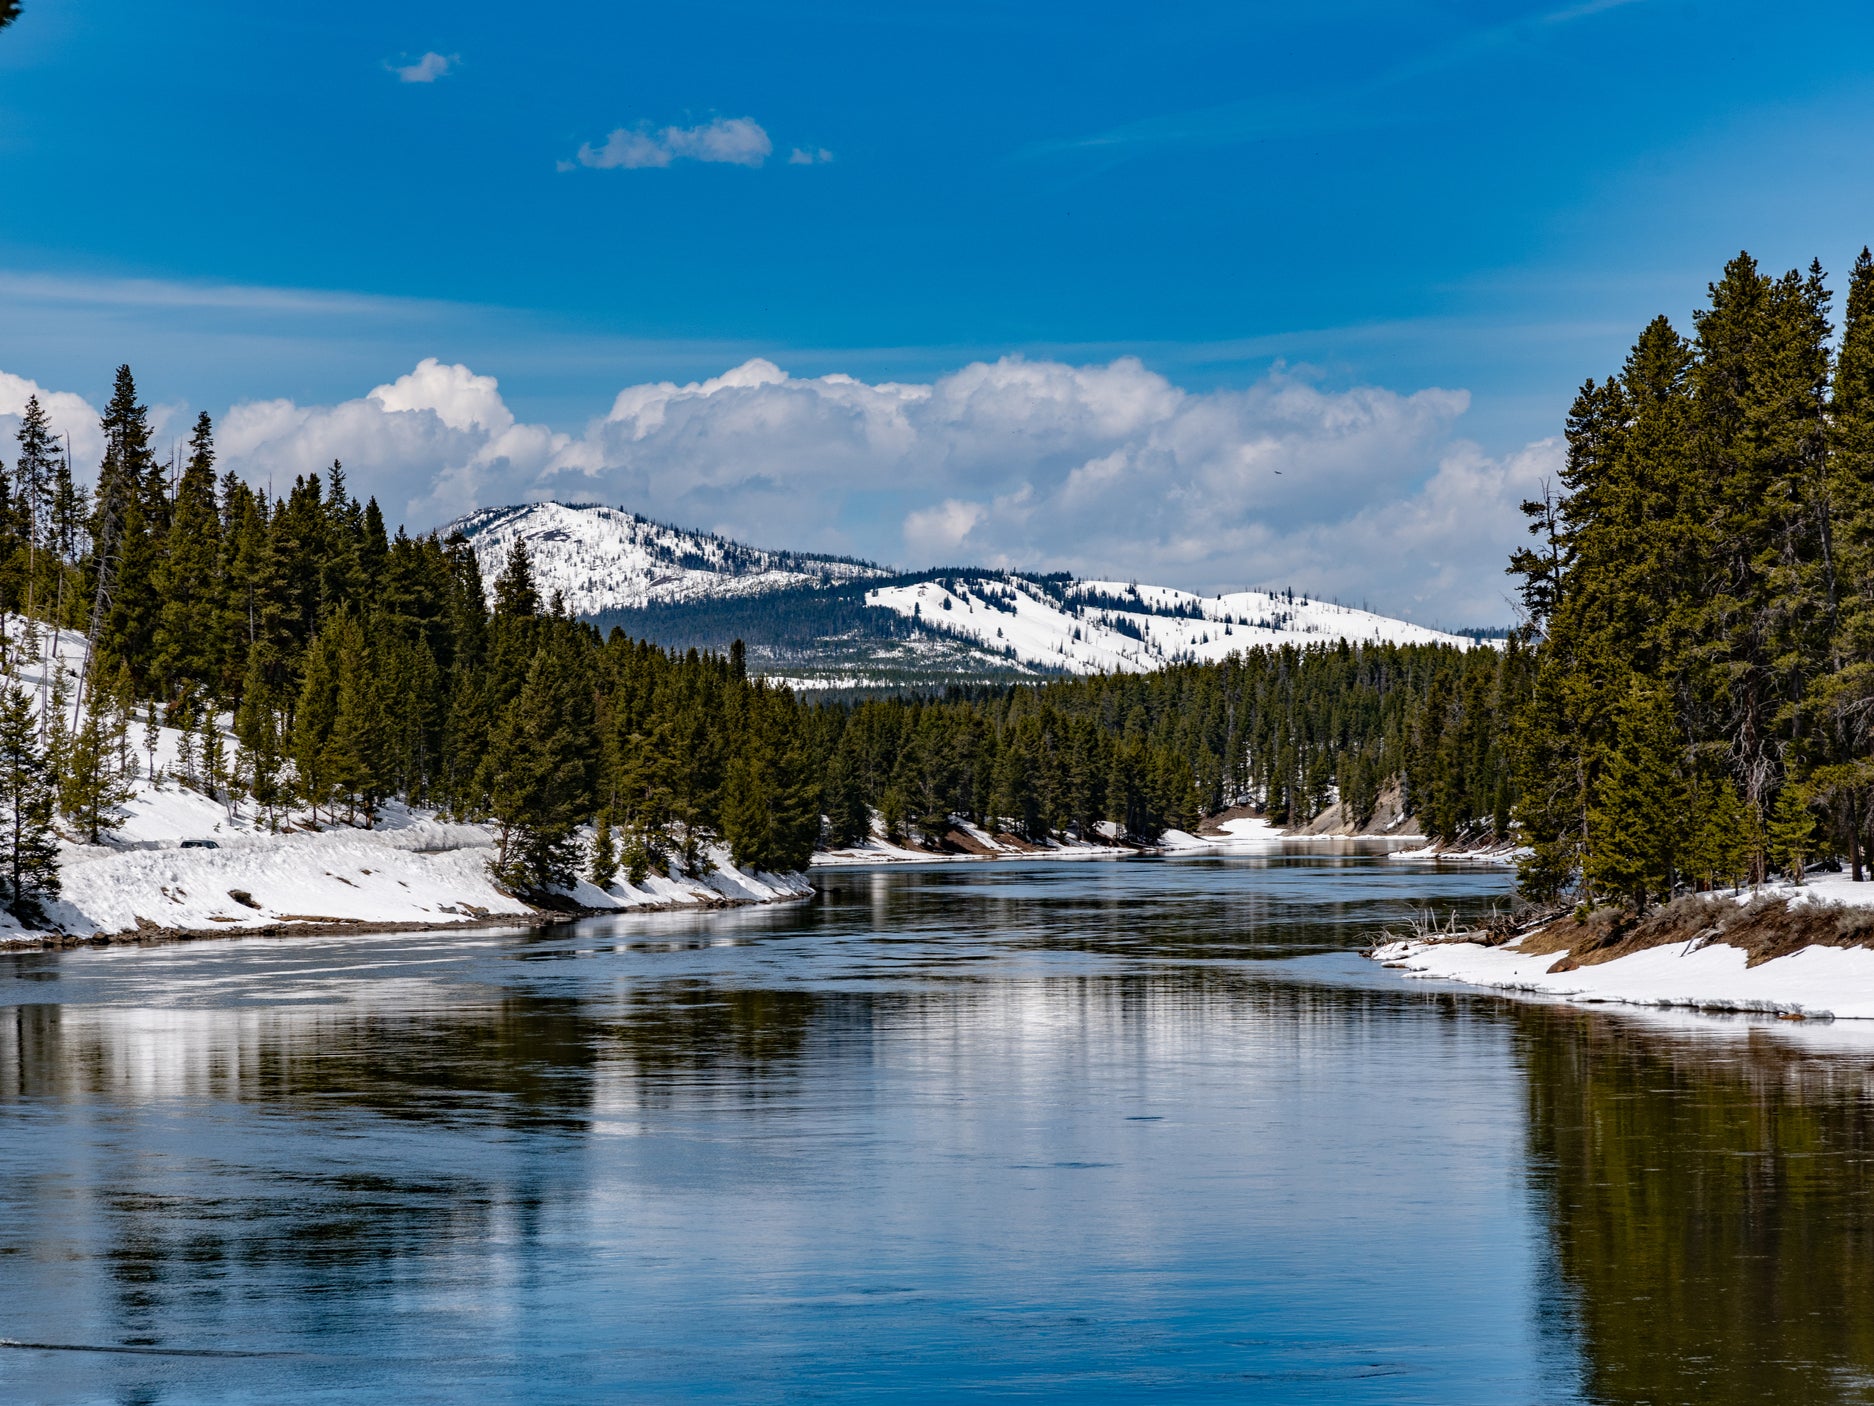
319 666
1700 601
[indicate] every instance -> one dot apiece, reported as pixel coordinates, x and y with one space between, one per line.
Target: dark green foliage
603 868
771 805
1791 833
1702 602
92 779
544 768
1636 817
29 856
187 581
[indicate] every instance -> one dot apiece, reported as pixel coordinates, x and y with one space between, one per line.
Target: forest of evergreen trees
319 667
1700 603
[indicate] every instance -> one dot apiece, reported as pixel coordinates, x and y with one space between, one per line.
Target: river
1148 1130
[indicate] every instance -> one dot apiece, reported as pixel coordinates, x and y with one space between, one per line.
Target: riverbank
1796 951
412 870
969 843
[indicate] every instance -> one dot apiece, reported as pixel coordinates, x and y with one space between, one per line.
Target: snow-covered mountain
603 559
1085 627
832 621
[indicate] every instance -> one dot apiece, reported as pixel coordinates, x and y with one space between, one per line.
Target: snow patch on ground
413 869
1817 981
1250 827
1491 854
879 850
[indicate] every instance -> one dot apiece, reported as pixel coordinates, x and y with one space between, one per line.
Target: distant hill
602 558
835 622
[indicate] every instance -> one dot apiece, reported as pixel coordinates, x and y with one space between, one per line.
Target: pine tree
257 727
1791 832
1635 815
91 786
353 758
642 851
215 771
1719 835
313 718
542 771
186 642
515 593
183 720
128 463
35 471
64 530
770 810
152 738
604 863
29 856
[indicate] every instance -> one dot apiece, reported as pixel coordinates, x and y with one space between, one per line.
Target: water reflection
1710 1206
1055 1131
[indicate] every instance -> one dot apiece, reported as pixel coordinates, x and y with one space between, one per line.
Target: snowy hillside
602 558
412 868
1110 626
827 622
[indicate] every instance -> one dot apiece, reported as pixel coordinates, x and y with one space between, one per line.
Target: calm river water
1146 1130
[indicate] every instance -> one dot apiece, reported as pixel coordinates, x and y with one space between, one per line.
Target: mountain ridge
817 620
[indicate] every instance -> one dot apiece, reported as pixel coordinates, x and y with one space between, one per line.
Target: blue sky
1267 205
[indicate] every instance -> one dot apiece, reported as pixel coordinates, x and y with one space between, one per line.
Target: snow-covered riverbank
970 844
413 869
410 869
1705 971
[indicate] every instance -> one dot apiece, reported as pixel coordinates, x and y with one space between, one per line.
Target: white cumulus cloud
1109 470
73 418
732 141
809 156
426 69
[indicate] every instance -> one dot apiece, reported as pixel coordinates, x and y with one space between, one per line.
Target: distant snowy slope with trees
597 558
1086 627
830 621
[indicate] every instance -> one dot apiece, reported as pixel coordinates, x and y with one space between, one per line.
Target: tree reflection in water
1710 1203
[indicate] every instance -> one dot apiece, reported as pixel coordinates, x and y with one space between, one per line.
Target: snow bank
414 869
879 850
1817 981
1490 854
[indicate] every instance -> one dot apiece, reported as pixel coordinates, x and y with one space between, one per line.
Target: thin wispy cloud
1347 108
56 290
727 141
1582 11
426 69
809 156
